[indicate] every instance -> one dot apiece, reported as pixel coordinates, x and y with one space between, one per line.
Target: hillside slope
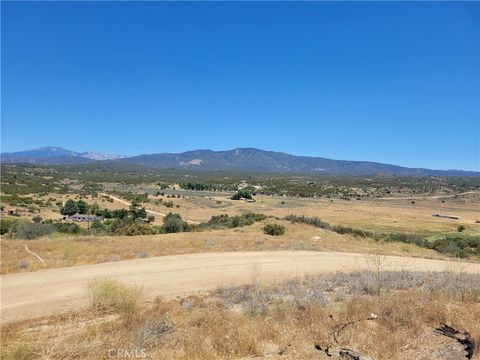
240 159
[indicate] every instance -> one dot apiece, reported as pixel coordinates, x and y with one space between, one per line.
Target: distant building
84 218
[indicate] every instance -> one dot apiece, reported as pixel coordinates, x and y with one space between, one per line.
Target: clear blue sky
390 82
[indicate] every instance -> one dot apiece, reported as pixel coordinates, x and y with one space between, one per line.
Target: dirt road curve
48 291
148 211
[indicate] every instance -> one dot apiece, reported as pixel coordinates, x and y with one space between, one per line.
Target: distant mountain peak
56 154
239 159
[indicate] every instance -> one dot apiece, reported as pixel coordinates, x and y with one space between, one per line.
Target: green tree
70 208
244 193
82 207
37 219
94 208
5 225
98 227
173 223
119 214
138 212
142 213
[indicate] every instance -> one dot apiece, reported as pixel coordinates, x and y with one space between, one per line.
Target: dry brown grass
72 251
385 215
382 215
294 319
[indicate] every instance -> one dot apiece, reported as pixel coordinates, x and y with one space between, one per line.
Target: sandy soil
27 295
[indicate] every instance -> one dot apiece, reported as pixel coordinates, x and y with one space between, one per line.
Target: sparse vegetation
173 223
225 221
314 221
274 229
296 318
132 197
198 186
458 246
33 231
112 296
242 194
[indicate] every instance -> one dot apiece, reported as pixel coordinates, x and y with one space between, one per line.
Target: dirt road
148 211
49 291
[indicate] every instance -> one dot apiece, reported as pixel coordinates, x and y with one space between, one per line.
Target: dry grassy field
397 315
381 214
376 314
411 214
239 180
64 251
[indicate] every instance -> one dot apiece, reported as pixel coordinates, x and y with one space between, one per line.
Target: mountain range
54 155
240 159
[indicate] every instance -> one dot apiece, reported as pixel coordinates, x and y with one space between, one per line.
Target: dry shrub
23 351
296 315
112 296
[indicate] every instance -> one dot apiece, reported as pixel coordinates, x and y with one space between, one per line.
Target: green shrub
135 228
197 186
225 221
98 227
242 194
460 228
68 228
251 218
5 225
173 223
219 221
315 221
37 219
456 245
405 238
118 214
33 231
274 229
16 200
137 212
